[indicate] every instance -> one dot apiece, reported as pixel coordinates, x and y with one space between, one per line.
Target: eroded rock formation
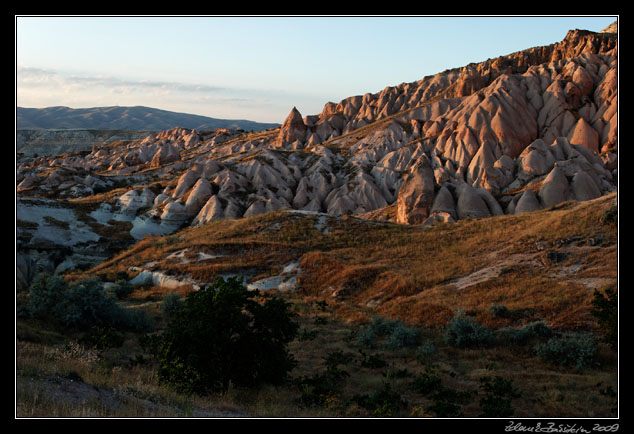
513 134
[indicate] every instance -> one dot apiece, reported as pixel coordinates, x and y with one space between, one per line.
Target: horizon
131 107
255 68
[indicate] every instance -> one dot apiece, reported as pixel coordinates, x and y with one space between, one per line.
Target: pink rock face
166 154
582 79
555 188
198 196
524 129
583 134
416 196
293 128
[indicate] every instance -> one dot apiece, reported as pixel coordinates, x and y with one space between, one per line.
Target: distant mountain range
136 118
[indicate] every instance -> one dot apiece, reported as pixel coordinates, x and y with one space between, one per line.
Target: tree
225 334
606 311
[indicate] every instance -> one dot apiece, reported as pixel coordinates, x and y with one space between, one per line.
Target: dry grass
57 377
542 263
541 266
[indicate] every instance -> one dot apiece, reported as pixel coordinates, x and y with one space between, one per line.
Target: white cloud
34 77
39 87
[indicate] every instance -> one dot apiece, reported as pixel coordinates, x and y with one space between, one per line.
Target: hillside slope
125 118
542 264
515 134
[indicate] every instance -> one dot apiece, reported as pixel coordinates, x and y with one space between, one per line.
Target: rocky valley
517 133
490 189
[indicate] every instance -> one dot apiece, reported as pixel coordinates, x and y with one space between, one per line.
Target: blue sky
255 68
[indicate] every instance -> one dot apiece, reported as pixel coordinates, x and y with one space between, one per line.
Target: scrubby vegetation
190 366
606 311
464 332
80 305
579 351
385 333
381 329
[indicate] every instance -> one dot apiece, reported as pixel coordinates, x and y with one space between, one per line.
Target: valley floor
505 273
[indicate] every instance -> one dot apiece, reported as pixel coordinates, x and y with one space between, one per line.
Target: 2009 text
552 427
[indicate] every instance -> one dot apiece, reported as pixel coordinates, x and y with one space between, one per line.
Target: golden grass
407 271
362 269
106 384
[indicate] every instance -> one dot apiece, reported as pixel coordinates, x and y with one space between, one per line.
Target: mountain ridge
134 118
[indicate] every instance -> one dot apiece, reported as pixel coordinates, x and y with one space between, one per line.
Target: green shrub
606 311
610 215
121 289
446 402
374 361
525 334
425 350
499 394
82 305
103 337
171 304
402 336
385 402
577 350
45 296
499 311
388 334
225 334
318 387
85 304
426 383
464 332
372 332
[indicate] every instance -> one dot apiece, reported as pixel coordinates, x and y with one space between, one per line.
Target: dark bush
385 402
525 334
373 361
121 289
499 311
463 332
318 387
425 350
499 394
610 215
82 305
445 402
606 311
225 334
172 302
389 334
576 350
426 383
103 337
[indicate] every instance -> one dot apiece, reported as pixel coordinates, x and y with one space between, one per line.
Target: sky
257 67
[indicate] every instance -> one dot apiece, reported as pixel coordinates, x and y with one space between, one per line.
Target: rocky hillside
60 130
39 142
514 134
